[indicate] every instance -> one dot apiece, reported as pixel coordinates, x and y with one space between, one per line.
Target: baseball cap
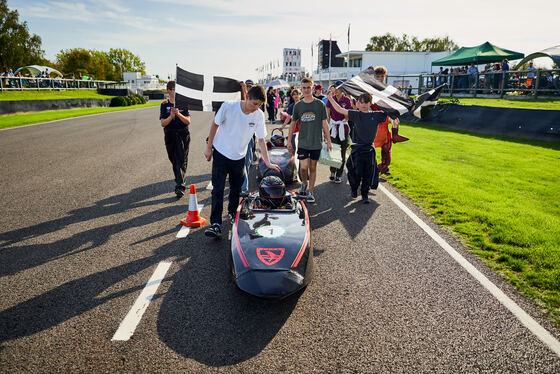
338 83
318 87
249 82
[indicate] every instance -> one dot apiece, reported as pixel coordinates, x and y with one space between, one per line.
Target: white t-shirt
235 129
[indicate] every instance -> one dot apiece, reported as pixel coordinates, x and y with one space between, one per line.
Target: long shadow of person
206 318
202 316
335 204
18 255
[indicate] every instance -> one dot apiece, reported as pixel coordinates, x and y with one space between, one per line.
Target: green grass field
545 104
502 196
51 95
14 120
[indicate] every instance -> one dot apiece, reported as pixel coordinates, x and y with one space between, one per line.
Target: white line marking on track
540 332
131 320
183 232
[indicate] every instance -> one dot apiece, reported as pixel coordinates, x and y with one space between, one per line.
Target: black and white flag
203 92
388 98
427 101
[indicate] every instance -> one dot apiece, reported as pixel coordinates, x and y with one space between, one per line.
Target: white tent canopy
552 52
278 83
36 69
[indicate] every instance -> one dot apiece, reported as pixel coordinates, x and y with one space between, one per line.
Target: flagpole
330 57
348 62
174 92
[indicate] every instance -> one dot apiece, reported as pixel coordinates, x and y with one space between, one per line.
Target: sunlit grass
501 195
546 104
51 95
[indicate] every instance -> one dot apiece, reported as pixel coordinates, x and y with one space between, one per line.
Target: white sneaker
310 197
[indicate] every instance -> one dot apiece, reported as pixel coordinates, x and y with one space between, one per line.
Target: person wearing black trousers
270 97
175 122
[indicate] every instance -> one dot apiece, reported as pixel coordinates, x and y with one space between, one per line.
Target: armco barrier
518 123
7 107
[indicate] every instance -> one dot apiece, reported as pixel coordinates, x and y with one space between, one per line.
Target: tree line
406 43
19 48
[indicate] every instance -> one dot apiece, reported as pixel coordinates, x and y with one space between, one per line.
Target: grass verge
501 195
14 120
51 95
546 104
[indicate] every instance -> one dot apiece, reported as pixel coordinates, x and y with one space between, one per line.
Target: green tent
481 54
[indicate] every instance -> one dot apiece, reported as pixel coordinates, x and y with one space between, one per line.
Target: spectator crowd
497 77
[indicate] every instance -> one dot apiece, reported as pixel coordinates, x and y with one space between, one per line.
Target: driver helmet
272 191
277 140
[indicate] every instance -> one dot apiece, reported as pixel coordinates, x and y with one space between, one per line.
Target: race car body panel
272 251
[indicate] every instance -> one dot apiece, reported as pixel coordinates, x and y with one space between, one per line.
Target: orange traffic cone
193 218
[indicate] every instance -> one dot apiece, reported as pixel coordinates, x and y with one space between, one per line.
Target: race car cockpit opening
272 194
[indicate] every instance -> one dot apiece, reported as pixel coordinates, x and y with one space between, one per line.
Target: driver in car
272 194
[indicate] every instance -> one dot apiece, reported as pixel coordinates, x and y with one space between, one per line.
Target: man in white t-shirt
230 133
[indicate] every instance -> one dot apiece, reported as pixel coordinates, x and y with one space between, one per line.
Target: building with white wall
403 67
136 80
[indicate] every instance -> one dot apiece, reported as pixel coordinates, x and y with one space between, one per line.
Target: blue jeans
248 161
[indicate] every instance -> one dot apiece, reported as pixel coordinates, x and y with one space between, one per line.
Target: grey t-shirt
310 116
364 126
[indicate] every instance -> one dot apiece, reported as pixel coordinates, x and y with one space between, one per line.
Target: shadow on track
335 204
206 318
203 315
18 257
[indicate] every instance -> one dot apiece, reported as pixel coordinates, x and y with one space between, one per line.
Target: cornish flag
427 100
387 98
203 92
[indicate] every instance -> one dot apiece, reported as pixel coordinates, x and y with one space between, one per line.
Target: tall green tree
99 64
406 43
124 60
17 47
77 61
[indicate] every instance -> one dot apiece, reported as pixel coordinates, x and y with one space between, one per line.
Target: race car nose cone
270 284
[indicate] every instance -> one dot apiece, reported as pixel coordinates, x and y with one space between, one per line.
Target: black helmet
272 191
277 140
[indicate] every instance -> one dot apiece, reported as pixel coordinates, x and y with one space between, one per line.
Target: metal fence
512 83
37 84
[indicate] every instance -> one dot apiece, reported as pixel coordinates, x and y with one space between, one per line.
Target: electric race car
278 154
271 246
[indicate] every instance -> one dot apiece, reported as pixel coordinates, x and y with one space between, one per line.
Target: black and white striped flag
387 98
203 92
427 101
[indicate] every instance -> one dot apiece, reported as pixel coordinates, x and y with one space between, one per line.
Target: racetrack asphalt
88 213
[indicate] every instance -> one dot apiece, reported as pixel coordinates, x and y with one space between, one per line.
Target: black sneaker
180 193
332 177
337 180
365 200
231 218
354 194
303 190
214 231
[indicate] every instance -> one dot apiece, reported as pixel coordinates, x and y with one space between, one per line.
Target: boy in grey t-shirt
313 127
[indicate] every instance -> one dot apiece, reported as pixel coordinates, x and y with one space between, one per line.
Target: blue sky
233 38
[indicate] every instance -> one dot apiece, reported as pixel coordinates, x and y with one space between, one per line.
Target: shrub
141 99
118 101
128 100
